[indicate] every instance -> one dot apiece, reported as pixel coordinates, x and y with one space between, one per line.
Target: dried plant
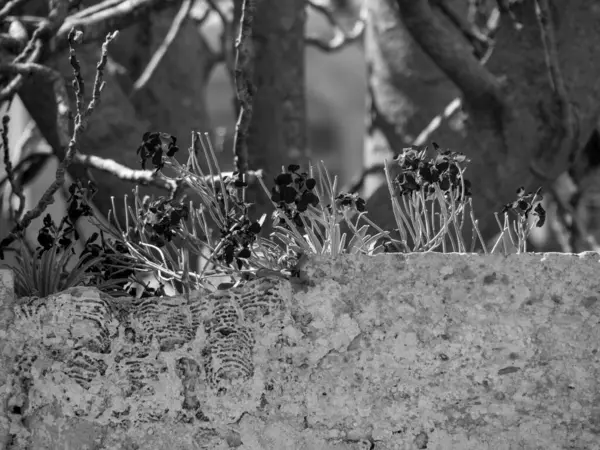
164 233
49 268
310 211
525 207
430 198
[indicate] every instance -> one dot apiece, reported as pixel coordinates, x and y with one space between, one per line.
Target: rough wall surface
419 351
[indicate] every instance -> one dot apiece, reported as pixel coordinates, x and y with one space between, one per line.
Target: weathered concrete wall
390 352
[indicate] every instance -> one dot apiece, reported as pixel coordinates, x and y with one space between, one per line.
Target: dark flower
526 203
254 228
310 198
45 238
284 179
288 194
244 253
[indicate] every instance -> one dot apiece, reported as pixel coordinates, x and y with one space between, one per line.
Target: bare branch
10 6
144 177
26 69
33 50
178 21
542 9
506 8
478 85
15 188
48 196
96 21
340 37
122 172
78 82
31 53
556 158
244 79
478 40
13 86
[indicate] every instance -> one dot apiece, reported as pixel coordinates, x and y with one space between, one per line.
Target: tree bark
277 134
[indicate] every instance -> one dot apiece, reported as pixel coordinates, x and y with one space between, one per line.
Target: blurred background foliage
350 82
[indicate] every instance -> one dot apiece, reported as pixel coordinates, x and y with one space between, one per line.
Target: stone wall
419 351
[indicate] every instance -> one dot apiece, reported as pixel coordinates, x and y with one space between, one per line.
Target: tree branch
10 6
340 37
555 159
96 21
479 87
13 86
244 80
80 124
143 177
178 21
16 188
478 40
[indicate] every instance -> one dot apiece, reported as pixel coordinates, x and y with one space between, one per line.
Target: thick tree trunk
277 134
513 115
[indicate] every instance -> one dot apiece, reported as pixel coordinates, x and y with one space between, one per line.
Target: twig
542 10
111 167
178 21
80 122
244 80
340 37
15 188
9 6
26 69
33 50
94 9
143 177
558 156
99 19
78 82
15 84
